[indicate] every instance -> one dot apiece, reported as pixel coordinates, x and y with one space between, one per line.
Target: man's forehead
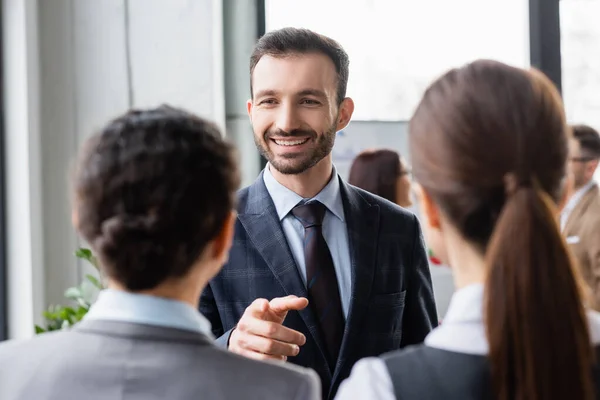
295 73
311 59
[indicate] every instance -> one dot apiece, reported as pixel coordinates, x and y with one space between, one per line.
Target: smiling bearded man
321 273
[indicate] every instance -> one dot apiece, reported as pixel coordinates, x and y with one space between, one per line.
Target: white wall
70 65
240 35
25 278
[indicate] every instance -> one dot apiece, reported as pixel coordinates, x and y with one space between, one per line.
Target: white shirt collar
117 305
466 305
285 199
463 329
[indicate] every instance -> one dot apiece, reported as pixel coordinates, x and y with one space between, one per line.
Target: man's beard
294 164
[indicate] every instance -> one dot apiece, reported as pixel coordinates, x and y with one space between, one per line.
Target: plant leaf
62 317
50 314
73 293
82 303
81 312
86 254
66 313
94 281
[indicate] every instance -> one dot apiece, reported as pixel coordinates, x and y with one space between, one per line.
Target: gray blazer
126 361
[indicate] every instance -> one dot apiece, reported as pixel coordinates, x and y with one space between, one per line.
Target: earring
434 260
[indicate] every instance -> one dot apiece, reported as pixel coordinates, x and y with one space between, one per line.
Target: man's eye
310 101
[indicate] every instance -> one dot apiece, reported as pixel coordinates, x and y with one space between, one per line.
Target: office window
580 48
397 47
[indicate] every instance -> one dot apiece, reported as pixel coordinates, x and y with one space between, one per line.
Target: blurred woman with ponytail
488 145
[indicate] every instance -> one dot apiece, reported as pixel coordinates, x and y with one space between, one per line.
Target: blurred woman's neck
466 261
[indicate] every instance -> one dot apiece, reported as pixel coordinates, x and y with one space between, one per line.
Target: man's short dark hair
589 139
152 189
292 41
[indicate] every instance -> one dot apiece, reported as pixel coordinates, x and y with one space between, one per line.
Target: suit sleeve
208 308
420 314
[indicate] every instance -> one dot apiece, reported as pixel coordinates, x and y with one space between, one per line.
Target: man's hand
260 334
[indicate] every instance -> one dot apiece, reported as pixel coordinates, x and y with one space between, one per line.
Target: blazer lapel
578 212
261 222
362 221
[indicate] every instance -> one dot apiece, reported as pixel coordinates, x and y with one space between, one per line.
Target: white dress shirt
335 231
463 331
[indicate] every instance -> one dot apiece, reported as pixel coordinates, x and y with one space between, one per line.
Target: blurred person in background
154 195
489 147
580 218
384 173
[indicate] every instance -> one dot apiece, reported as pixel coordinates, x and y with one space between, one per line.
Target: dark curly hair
152 189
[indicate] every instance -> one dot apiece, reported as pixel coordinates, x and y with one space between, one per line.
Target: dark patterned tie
322 285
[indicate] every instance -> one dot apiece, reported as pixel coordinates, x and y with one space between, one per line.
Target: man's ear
249 108
592 166
345 114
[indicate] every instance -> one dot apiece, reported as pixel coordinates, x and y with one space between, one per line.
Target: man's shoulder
387 208
252 195
242 196
590 220
595 203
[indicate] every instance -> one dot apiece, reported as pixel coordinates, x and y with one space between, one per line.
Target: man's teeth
290 142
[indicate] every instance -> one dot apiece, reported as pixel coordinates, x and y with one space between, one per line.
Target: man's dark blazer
391 305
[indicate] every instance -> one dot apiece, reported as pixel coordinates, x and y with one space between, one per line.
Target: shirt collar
466 305
462 329
285 199
117 305
576 197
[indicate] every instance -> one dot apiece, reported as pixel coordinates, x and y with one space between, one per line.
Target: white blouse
462 331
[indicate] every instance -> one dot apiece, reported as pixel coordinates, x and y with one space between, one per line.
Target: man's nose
287 118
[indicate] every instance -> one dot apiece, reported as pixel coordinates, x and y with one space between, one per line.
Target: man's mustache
295 133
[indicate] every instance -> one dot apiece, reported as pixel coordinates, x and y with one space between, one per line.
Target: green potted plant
59 317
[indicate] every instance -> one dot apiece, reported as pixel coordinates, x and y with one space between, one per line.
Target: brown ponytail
535 321
489 144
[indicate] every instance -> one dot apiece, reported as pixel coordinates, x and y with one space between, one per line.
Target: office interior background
70 65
